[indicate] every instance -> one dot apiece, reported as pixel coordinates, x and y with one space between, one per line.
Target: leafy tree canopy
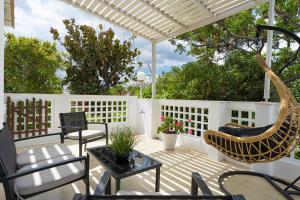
31 66
226 68
232 41
95 61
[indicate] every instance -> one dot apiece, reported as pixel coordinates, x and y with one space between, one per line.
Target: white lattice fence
243 117
195 117
102 111
115 110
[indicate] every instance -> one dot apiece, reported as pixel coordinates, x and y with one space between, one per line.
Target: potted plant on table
169 130
122 142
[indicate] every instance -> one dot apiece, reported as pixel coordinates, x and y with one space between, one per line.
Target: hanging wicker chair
276 142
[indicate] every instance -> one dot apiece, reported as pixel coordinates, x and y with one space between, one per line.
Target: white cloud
34 18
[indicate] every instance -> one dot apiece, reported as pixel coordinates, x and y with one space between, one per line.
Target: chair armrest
37 136
198 182
30 171
103 183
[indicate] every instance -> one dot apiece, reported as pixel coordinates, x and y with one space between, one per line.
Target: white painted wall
148 117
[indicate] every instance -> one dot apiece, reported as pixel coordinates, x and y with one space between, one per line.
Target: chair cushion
152 193
34 155
49 178
86 134
244 132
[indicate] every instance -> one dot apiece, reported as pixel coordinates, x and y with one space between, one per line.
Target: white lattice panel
194 119
243 117
102 111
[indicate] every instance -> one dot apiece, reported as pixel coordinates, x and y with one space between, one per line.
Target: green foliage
119 90
95 61
232 41
131 90
195 80
122 140
31 66
169 126
243 78
205 80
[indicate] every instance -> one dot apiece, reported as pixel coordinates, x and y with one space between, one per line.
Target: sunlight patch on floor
176 173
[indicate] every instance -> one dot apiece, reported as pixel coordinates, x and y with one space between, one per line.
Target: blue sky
35 17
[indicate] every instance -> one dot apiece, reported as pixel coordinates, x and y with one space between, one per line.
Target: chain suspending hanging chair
265 144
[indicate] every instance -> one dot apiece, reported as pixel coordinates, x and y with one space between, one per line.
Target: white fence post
59 104
218 116
266 113
148 118
133 112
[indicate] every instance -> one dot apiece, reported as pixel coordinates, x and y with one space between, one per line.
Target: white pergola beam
113 7
2 107
203 6
269 48
166 15
210 20
9 14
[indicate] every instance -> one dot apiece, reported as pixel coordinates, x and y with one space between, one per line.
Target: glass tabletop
136 163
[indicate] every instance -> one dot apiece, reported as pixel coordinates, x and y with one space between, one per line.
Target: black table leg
118 185
157 180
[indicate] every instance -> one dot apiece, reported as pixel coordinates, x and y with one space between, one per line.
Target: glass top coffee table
137 163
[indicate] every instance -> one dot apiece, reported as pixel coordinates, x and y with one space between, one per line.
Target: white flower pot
169 141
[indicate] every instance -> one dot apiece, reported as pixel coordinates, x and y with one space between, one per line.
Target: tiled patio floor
175 174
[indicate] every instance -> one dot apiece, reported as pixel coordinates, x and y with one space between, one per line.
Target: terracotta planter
169 140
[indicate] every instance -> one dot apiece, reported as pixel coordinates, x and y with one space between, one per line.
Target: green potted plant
122 142
169 130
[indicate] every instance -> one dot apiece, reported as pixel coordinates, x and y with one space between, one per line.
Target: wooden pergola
154 20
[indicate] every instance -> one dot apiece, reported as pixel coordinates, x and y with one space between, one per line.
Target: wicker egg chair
276 142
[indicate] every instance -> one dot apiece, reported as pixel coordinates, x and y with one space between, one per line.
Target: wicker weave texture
275 143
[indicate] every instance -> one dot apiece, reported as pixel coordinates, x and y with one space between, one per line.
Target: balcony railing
143 115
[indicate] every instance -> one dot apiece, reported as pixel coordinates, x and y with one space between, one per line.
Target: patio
175 174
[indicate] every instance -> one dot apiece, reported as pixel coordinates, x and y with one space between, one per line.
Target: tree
95 61
31 66
221 41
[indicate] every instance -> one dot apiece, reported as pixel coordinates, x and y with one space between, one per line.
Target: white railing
144 115
193 114
114 110
243 113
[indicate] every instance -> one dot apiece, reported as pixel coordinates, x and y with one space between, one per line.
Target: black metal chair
74 126
38 177
103 192
289 190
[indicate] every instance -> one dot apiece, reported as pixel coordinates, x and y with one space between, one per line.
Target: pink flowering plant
169 126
